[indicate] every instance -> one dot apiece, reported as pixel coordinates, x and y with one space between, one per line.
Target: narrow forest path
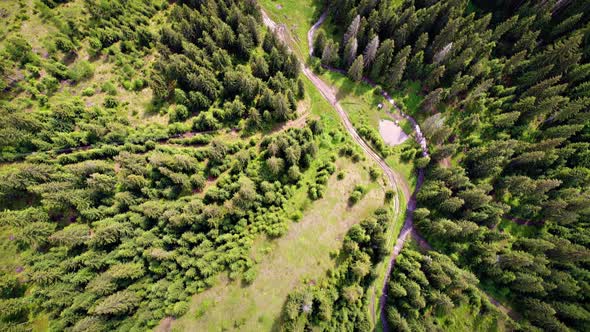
408 229
396 180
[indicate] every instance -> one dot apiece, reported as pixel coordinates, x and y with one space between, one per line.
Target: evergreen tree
432 100
399 66
371 51
319 44
384 57
352 31
330 54
350 51
355 72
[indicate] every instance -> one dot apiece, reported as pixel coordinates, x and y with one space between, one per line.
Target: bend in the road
395 179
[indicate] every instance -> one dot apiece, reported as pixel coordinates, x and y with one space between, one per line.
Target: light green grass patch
302 255
464 318
517 230
297 15
360 103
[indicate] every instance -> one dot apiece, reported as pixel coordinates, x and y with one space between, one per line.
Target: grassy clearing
297 15
463 318
303 255
520 230
137 104
282 264
358 99
360 103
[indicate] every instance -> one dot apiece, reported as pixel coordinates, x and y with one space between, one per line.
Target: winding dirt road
395 179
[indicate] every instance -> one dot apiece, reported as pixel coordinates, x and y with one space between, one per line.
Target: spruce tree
432 100
355 72
383 58
319 44
434 77
350 51
399 66
352 30
371 51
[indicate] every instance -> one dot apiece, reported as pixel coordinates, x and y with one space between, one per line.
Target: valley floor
301 256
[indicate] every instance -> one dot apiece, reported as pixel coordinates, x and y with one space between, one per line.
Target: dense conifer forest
150 150
505 94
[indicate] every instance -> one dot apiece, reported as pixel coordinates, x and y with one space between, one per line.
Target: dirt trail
395 179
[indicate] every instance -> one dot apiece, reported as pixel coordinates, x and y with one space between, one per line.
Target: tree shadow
278 322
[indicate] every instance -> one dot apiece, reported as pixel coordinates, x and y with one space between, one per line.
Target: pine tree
460 84
383 59
528 42
432 100
566 25
421 43
434 77
416 66
445 37
504 27
355 72
352 30
300 88
330 54
514 62
371 51
319 44
562 54
399 66
578 73
350 51
260 67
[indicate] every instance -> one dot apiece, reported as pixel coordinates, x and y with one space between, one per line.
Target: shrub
109 88
34 70
177 113
180 308
80 71
389 195
250 275
355 197
357 194
374 173
378 90
95 46
296 216
64 44
110 102
138 84
422 162
50 83
20 50
88 92
197 181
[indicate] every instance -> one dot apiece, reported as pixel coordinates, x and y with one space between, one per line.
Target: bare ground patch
392 133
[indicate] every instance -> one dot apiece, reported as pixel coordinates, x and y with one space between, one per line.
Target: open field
360 103
302 255
298 16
